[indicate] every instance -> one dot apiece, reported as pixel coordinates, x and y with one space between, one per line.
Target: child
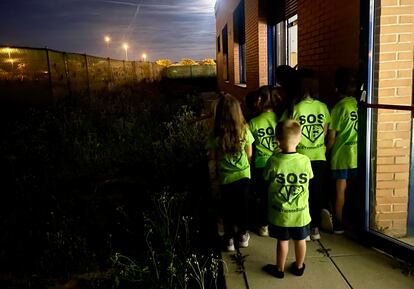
286 86
313 116
251 105
230 147
343 140
288 174
263 130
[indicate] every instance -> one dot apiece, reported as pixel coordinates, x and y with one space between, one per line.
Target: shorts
344 174
287 233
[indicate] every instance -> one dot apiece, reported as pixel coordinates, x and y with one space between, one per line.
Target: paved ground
334 262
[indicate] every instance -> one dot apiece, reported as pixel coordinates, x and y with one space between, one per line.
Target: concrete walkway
334 262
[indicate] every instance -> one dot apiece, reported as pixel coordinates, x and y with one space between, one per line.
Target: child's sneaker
244 240
296 271
315 234
272 270
338 228
264 231
230 245
307 238
326 221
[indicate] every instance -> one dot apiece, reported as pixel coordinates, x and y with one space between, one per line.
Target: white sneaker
315 234
230 245
307 239
244 240
264 231
326 221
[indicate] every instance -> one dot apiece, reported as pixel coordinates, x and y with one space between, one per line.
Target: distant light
107 39
144 56
125 45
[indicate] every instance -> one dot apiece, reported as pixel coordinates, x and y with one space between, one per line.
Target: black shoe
272 270
296 271
338 227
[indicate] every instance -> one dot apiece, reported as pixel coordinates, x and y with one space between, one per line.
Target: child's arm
249 152
331 139
212 164
213 173
325 129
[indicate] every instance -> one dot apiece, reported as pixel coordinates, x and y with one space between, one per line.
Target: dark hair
284 74
308 84
269 97
251 108
345 81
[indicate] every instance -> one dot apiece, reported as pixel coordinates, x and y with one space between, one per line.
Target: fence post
50 74
87 79
65 61
109 74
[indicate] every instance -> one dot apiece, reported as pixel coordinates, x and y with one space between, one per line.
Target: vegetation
164 62
110 196
208 61
187 61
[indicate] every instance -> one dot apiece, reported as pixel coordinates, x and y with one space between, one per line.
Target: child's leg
281 254
340 198
300 252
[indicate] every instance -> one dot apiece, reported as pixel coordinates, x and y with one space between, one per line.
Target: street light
107 40
126 51
144 56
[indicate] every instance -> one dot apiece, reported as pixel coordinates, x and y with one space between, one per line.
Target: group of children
283 142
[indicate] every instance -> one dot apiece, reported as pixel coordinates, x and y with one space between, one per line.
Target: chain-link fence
191 71
35 76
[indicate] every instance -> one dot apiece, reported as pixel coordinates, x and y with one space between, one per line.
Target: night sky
171 29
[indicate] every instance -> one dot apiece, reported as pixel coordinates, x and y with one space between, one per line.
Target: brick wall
394 64
328 37
255 27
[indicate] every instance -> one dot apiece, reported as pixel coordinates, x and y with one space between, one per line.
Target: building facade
255 36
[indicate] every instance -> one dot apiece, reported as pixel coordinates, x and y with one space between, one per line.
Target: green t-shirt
263 129
288 175
313 115
345 123
232 167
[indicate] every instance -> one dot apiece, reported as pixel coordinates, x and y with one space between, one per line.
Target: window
292 41
225 54
282 36
239 44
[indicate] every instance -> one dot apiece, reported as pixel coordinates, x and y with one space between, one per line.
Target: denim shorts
344 174
287 233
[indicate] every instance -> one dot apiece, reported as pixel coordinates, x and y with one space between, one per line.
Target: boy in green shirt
288 174
314 118
343 141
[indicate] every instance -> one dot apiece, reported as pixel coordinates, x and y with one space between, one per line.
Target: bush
78 179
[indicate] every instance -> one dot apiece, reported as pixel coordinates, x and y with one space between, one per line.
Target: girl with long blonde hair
230 147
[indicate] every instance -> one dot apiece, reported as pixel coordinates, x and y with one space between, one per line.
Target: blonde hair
230 126
288 131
